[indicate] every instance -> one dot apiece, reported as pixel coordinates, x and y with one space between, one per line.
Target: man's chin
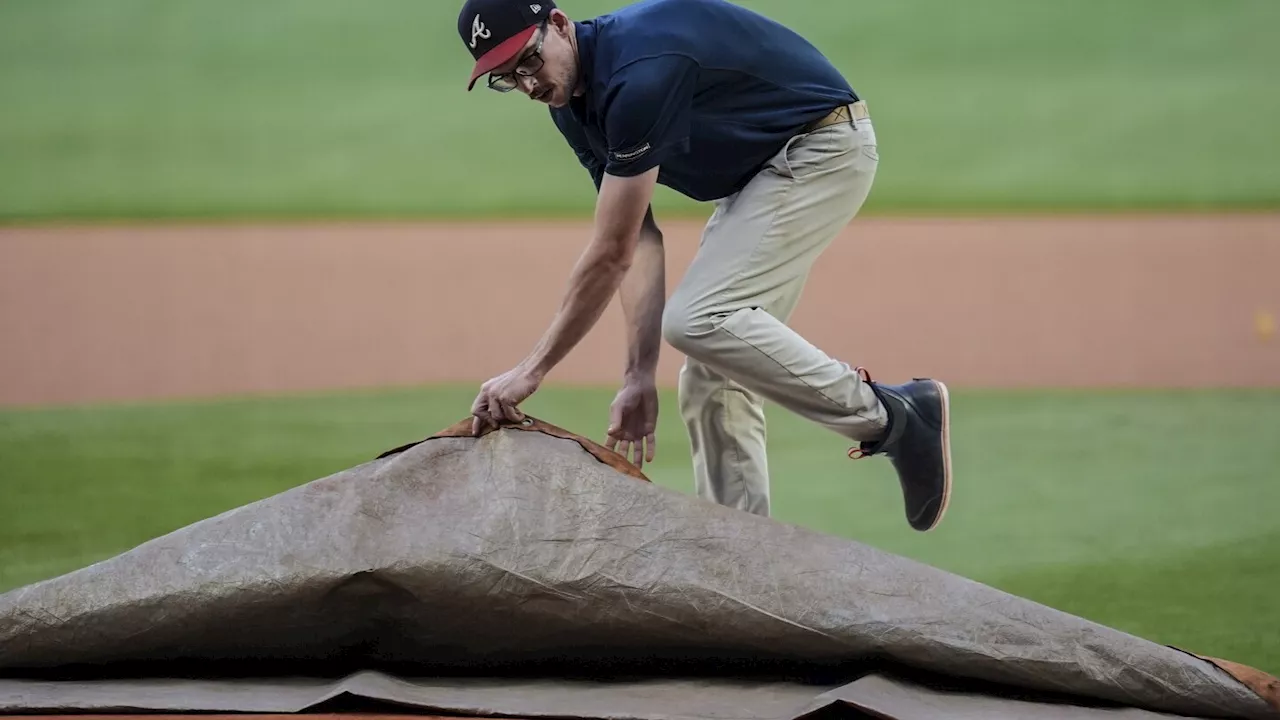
554 99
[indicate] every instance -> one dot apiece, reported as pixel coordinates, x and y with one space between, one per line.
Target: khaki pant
729 314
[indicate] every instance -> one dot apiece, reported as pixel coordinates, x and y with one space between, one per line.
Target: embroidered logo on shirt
478 30
632 154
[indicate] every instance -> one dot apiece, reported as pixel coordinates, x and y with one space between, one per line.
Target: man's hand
633 419
499 397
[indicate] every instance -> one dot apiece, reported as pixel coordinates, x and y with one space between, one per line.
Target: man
724 105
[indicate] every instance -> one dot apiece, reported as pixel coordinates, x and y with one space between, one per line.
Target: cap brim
503 52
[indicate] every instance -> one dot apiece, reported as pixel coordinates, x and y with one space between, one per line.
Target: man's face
545 69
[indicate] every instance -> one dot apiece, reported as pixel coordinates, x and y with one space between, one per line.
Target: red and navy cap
495 30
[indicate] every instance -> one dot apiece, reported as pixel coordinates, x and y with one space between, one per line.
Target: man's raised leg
730 311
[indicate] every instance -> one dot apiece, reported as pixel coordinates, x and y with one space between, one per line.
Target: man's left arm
620 211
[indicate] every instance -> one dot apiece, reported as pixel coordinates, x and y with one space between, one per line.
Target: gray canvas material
518 545
885 696
650 699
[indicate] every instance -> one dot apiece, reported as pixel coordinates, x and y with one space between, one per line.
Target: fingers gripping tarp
530 548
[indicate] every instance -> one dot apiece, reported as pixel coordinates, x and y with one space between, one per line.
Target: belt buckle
849 113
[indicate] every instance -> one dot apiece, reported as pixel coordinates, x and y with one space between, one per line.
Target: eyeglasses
529 66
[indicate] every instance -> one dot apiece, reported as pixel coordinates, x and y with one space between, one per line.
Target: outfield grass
1151 512
234 108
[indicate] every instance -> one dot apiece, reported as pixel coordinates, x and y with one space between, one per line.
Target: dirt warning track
92 314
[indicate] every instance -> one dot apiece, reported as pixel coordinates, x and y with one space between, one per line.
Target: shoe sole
946 453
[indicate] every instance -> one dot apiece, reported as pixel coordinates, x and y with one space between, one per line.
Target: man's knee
686 330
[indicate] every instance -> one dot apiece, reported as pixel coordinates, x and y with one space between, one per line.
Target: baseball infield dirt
92 314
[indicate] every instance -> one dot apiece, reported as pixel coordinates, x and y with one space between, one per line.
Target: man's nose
526 84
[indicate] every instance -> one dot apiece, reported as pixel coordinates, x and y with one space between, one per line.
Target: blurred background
245 245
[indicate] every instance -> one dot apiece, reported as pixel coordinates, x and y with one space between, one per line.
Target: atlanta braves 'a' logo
478 31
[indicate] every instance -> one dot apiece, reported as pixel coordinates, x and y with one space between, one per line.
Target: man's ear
561 22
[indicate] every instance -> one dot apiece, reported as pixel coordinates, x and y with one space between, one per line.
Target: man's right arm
643 290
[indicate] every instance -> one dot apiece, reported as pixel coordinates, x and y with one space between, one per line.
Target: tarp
531 573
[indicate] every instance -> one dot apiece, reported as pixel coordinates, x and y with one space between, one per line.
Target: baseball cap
495 30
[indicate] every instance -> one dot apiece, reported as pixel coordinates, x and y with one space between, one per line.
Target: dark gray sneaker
918 443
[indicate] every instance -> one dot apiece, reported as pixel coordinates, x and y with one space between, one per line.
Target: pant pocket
818 150
782 162
866 133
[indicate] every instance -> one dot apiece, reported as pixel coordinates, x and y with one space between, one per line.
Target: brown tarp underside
463 428
533 548
1266 686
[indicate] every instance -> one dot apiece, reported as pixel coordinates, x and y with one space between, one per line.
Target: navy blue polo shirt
706 89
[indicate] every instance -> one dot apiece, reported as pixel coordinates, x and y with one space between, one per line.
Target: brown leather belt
844 113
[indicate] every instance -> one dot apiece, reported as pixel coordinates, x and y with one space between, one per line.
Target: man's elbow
618 258
618 250
612 253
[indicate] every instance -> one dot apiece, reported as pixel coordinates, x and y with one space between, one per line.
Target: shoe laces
856 452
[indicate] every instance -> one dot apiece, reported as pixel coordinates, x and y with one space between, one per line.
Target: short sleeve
573 133
648 113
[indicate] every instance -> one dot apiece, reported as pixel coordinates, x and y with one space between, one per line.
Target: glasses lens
531 65
502 83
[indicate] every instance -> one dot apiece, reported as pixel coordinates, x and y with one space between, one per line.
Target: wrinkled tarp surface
522 549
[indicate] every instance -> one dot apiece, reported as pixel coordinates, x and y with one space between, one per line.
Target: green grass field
1152 512
306 108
